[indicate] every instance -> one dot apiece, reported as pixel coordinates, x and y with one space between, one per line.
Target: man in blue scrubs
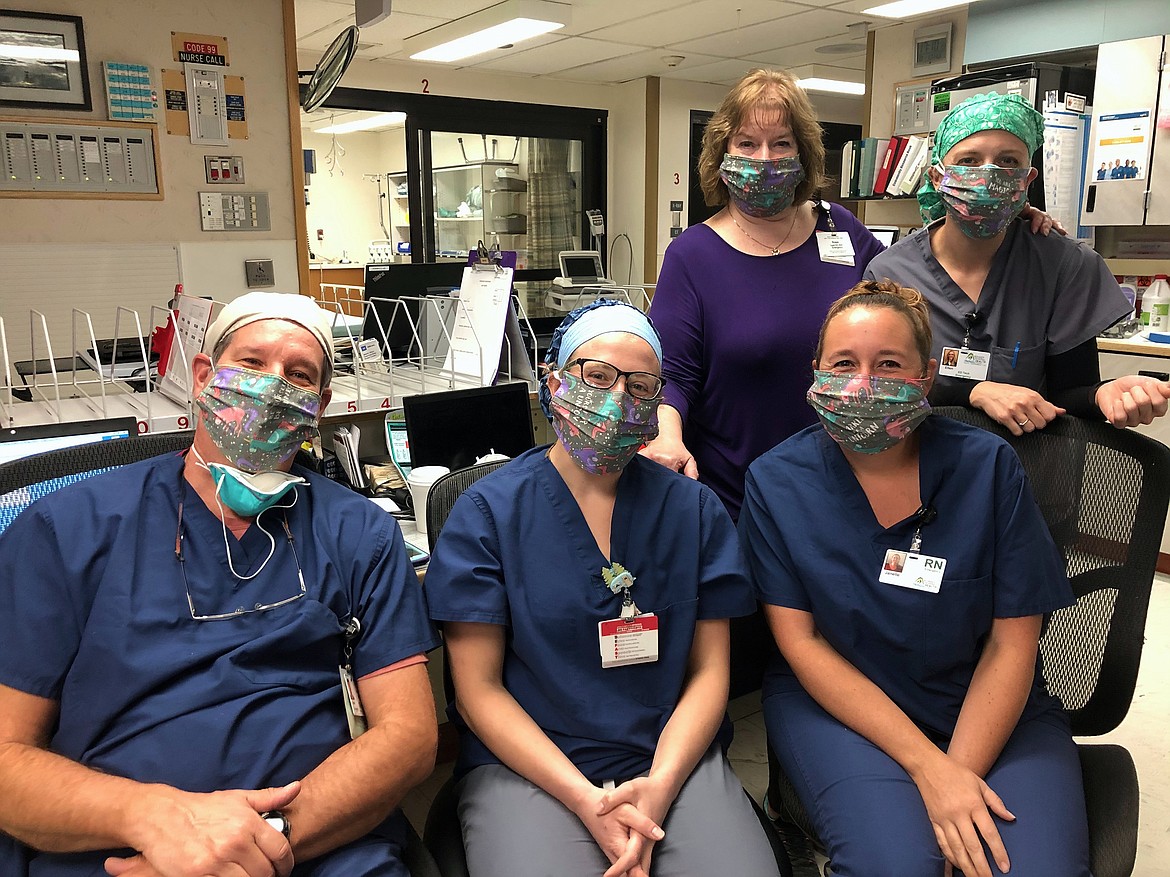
176 637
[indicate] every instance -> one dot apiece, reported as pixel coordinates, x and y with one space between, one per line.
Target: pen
1016 354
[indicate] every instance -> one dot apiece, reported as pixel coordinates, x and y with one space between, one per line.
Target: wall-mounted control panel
37 157
238 211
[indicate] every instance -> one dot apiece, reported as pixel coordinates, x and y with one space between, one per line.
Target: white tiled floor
1144 733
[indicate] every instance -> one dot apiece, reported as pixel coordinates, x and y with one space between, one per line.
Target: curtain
550 202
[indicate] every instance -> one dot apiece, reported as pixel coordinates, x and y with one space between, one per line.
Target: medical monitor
25 441
887 234
582 266
393 280
456 427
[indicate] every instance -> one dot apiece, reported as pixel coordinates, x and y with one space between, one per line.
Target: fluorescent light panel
509 22
840 86
381 120
908 8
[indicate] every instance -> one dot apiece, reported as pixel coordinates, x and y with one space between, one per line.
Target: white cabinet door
1159 211
1126 87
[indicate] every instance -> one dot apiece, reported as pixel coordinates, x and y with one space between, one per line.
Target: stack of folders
345 445
873 167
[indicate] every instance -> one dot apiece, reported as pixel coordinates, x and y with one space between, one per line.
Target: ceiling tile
692 21
556 55
590 16
645 63
400 26
315 15
752 41
448 9
719 73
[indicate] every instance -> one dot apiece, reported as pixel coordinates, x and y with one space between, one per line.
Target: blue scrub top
516 551
812 543
94 614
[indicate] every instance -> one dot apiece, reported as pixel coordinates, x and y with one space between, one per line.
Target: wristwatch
278 821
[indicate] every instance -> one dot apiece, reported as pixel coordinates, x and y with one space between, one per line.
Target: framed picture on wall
42 61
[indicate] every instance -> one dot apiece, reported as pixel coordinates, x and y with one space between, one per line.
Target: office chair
446 490
442 834
41 474
1104 494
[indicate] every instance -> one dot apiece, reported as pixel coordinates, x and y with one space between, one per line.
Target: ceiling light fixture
908 8
816 77
381 120
488 29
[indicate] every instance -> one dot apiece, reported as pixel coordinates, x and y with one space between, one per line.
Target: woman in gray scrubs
1015 315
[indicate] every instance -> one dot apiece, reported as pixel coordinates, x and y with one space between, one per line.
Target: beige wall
212 262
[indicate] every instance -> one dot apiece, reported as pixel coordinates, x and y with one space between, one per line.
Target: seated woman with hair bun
905 571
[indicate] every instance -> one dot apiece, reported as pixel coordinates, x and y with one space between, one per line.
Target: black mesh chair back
446 490
1103 492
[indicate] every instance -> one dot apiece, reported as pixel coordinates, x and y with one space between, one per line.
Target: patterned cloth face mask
601 429
256 419
983 200
866 413
761 187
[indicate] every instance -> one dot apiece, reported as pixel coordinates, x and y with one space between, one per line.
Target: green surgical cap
983 112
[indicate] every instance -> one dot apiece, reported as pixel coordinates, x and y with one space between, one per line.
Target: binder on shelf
915 145
893 152
855 170
915 168
846 164
868 167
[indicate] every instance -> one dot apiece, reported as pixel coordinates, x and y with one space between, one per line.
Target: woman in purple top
741 297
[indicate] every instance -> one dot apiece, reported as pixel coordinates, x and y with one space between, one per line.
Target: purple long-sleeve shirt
738 336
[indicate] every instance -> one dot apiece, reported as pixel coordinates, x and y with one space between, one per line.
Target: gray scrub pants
512 828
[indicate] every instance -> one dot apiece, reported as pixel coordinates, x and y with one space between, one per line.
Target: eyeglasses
602 376
240 610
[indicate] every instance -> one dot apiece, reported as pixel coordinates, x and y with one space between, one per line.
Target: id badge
628 641
354 714
835 247
920 572
961 362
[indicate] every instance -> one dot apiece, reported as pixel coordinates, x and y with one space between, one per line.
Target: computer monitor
887 234
456 427
25 441
393 280
582 266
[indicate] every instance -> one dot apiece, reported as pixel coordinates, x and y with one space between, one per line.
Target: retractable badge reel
354 714
963 362
631 638
835 247
913 569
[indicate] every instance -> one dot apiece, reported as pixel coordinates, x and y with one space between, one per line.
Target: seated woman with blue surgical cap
905 570
1015 315
584 593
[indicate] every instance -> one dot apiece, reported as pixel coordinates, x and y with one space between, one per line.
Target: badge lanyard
619 580
912 569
